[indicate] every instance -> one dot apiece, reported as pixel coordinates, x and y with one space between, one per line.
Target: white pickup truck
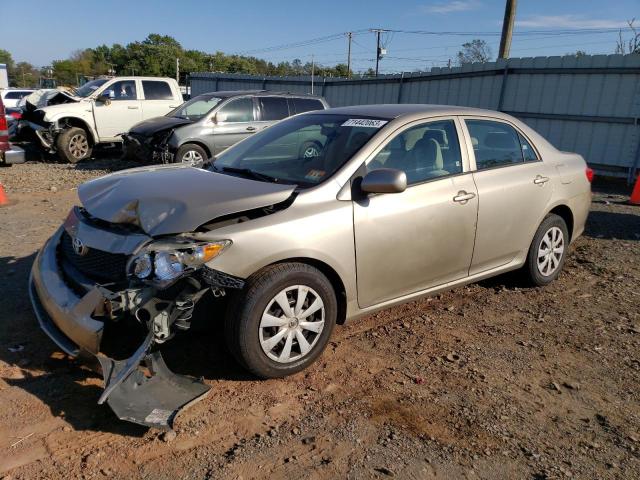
73 122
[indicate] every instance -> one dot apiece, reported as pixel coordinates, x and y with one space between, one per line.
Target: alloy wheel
550 251
78 146
291 324
192 156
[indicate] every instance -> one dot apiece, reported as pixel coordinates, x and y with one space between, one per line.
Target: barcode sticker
364 122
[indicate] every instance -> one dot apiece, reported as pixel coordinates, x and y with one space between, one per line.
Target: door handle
251 129
463 197
540 180
132 107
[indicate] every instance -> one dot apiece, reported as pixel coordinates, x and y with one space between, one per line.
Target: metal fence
589 105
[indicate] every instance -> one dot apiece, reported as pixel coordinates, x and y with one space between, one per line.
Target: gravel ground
492 380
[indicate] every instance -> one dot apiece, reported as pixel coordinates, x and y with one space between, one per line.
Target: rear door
236 120
301 105
157 98
423 237
513 188
123 111
272 109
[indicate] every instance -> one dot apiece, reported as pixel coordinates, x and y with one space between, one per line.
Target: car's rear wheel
548 251
73 145
282 320
191 154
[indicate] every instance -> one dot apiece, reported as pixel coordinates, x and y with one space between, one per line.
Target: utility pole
507 28
380 52
177 70
312 71
349 35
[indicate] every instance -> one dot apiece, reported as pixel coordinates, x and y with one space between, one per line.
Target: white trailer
4 77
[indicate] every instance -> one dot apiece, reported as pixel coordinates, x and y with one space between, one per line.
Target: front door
121 113
235 121
514 189
423 237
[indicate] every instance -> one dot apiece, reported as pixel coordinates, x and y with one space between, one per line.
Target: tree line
154 56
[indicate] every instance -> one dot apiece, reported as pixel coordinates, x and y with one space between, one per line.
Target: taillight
16 115
4 130
589 172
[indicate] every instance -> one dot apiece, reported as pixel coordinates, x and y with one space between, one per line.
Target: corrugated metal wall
589 105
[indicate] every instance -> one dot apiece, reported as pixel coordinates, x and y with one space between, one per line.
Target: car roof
236 93
393 110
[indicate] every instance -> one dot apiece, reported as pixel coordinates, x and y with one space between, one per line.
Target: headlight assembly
165 261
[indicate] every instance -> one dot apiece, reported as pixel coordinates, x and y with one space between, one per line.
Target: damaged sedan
400 202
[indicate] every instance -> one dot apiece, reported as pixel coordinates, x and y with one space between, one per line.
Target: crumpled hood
173 199
147 128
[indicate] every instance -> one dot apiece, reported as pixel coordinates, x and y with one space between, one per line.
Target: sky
50 30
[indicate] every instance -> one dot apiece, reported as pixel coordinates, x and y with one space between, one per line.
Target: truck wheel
73 145
547 252
282 320
191 154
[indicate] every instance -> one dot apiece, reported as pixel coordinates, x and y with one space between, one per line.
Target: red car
9 154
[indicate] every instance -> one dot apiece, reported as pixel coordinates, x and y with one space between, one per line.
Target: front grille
96 264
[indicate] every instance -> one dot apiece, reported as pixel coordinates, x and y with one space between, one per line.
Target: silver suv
210 123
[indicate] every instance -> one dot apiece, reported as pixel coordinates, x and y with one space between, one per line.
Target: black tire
133 152
531 269
195 150
74 145
308 147
245 310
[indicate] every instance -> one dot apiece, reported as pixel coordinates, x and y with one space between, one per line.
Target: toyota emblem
79 247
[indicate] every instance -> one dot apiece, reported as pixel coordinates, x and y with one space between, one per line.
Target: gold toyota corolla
395 202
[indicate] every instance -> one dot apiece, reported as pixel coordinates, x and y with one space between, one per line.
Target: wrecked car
71 122
208 124
402 201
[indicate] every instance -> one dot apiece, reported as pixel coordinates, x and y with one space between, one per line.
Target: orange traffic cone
635 195
3 196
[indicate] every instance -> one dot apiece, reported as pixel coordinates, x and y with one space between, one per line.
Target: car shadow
613 225
69 387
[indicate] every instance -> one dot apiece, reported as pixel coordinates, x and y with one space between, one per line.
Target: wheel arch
332 276
564 212
198 143
80 123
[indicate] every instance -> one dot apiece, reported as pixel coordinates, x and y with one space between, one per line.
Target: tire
541 270
132 152
191 153
73 145
310 149
246 331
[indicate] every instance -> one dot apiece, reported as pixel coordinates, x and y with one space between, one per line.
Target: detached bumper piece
153 399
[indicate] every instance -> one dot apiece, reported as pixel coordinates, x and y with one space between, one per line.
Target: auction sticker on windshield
364 122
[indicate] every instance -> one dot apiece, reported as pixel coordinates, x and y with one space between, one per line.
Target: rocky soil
488 381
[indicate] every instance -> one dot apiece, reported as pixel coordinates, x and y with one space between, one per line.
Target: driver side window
424 152
236 111
123 90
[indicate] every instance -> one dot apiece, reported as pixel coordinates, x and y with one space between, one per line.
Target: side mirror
220 117
104 98
384 180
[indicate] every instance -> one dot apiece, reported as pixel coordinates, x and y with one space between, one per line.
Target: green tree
474 51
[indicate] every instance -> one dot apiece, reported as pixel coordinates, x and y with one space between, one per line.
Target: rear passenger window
154 90
495 144
424 152
528 152
307 104
273 108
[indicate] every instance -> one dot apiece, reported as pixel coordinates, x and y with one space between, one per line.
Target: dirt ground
488 381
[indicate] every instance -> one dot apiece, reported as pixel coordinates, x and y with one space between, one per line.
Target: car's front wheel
191 154
73 145
548 251
282 320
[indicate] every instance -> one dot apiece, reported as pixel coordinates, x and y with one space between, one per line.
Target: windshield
196 108
303 150
90 87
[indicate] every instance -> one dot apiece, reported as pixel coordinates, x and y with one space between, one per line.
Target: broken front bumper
70 320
